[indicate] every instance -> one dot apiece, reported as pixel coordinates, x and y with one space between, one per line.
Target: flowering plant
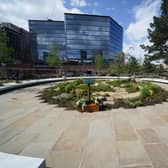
83 102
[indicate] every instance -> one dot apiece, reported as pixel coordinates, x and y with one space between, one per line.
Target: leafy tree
158 35
148 67
53 58
5 51
133 65
98 60
118 66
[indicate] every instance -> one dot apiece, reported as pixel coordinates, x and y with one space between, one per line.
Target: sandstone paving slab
72 139
18 143
95 115
44 143
45 123
157 120
132 153
100 153
138 120
38 149
33 133
9 121
160 108
158 154
10 113
138 166
19 126
101 114
153 115
18 115
122 126
119 115
162 132
30 118
100 128
164 117
74 136
64 159
124 131
148 135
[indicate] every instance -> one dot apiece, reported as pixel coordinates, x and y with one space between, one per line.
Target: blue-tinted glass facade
116 38
78 34
44 34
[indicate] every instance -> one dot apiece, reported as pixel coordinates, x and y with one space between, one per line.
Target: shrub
66 94
79 93
148 89
133 103
83 87
102 87
119 103
131 87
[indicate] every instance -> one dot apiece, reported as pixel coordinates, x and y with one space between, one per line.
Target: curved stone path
120 138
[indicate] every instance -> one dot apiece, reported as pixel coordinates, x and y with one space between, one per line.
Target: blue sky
121 10
133 15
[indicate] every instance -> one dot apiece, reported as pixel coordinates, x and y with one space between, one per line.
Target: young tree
158 35
53 58
5 51
98 60
148 67
133 65
118 66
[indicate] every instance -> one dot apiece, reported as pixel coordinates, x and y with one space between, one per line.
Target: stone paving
120 138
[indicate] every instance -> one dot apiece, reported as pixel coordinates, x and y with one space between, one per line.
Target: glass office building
43 35
80 36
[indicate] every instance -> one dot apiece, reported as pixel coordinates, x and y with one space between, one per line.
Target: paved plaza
119 138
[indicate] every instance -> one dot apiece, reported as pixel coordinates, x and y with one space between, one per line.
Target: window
83 54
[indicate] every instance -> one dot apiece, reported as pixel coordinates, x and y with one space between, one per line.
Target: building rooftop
51 20
93 16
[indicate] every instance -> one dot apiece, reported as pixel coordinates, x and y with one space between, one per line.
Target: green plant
147 89
102 87
79 92
66 94
83 102
119 103
131 87
133 103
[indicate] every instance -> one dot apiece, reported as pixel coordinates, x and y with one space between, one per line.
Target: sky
133 15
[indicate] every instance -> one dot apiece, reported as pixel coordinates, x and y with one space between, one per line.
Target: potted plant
89 104
86 105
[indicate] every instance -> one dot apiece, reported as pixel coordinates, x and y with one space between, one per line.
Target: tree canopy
118 65
158 35
98 59
133 65
53 58
5 51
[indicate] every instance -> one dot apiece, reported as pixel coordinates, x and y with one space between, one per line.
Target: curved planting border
14 86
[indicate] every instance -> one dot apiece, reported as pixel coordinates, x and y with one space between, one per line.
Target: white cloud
136 33
20 11
78 3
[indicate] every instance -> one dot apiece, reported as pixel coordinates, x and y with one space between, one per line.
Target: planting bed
107 94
